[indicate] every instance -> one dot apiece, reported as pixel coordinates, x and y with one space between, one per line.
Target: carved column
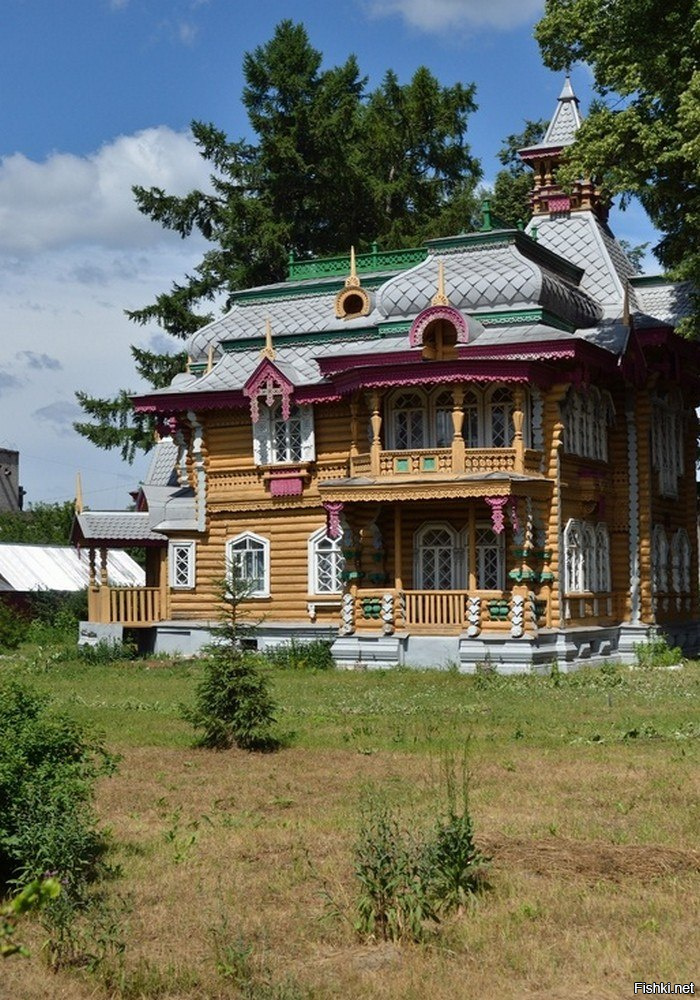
375 405
354 433
553 569
518 418
457 423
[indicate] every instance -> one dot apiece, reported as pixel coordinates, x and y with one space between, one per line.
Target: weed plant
656 653
297 655
410 879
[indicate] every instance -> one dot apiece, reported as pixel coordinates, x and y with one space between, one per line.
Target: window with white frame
680 562
437 557
409 420
326 563
490 559
659 559
181 556
279 441
586 416
248 559
499 418
586 558
667 441
420 419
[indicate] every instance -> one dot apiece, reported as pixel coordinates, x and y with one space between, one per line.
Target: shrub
298 655
233 706
13 626
656 653
48 767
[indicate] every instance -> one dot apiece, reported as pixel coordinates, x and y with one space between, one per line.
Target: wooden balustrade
439 461
435 607
134 606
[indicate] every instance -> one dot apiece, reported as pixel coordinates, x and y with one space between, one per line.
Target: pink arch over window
428 316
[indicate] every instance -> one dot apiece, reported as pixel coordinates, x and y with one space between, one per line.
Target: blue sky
97 95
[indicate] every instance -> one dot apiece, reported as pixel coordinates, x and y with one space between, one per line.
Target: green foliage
233 705
13 626
656 653
48 767
331 166
35 895
107 651
641 137
510 200
409 879
298 655
40 524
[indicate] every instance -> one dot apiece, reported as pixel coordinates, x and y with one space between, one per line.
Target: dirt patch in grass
556 858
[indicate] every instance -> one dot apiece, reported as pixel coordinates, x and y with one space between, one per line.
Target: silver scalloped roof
564 124
663 301
485 279
582 238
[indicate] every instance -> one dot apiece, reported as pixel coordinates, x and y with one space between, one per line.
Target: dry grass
595 878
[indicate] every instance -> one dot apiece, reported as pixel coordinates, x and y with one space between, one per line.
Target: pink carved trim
267 381
497 505
286 486
560 204
334 509
430 315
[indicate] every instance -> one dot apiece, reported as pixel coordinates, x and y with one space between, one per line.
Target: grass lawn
584 791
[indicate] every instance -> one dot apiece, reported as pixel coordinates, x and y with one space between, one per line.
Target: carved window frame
659 560
181 564
260 546
266 449
333 550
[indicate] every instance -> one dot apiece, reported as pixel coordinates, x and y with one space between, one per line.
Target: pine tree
332 166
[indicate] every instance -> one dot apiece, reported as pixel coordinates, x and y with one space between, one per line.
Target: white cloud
449 15
68 200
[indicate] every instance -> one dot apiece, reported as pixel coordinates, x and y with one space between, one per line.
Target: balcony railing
426 462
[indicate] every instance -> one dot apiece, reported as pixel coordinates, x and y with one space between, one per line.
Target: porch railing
451 610
130 606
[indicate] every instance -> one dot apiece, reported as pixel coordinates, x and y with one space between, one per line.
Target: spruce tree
331 166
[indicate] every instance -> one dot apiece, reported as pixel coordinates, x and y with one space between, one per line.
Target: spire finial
268 350
626 305
352 281
210 358
78 506
440 298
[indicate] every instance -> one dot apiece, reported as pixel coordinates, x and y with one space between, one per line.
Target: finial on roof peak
440 298
352 281
78 494
268 350
567 91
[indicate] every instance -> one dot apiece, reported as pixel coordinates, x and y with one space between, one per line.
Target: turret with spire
548 197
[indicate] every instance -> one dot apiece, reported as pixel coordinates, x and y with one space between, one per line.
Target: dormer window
280 440
440 340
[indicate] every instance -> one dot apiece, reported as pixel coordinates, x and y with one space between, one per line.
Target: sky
98 95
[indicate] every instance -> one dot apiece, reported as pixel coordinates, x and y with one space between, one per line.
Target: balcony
437 462
450 612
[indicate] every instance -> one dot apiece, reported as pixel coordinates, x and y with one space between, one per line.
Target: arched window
326 563
588 545
499 412
444 427
659 560
490 561
248 560
436 557
574 562
409 421
602 582
680 562
470 428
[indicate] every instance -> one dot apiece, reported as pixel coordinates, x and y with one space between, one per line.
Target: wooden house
482 449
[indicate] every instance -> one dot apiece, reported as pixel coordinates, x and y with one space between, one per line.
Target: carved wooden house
480 449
